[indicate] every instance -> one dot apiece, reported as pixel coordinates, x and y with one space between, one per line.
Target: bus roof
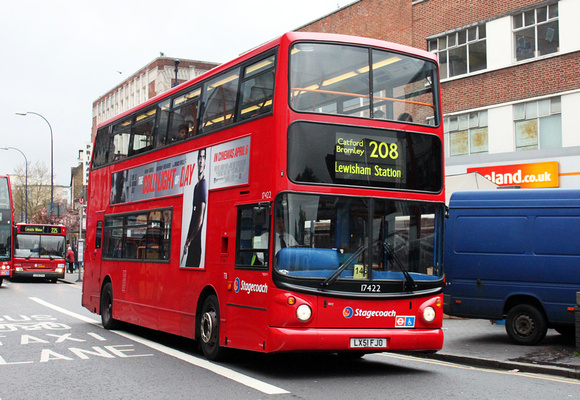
515 198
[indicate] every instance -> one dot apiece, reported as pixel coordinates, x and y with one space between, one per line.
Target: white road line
65 311
199 362
202 363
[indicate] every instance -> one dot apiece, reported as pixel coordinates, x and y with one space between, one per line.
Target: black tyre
107 307
209 329
525 324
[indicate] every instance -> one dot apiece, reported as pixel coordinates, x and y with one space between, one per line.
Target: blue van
514 254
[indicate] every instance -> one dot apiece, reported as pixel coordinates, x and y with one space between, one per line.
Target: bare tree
39 198
38 192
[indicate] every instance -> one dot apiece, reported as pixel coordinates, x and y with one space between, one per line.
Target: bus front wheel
209 329
526 324
107 307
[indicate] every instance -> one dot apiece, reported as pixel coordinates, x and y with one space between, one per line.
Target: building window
536 32
466 134
461 52
538 124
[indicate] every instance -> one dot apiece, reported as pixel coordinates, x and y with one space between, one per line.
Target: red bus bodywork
39 251
256 307
5 228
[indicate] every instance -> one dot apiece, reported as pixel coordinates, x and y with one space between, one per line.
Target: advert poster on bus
192 175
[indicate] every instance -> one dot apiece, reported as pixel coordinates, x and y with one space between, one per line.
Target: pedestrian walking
70 259
76 262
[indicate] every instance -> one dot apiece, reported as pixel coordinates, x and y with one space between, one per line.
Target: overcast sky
61 55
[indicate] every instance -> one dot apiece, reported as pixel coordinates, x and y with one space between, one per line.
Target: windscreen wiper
410 284
332 278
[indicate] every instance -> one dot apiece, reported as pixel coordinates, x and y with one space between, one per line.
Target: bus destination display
55 230
367 158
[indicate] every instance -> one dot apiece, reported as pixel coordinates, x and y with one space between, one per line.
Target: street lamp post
176 63
25 180
51 159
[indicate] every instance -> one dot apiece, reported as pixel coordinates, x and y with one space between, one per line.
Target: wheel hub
207 326
524 325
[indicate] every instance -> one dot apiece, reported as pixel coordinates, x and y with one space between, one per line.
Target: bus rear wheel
209 329
107 307
526 325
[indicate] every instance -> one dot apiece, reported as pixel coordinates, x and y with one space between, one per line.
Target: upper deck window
142 132
357 81
120 144
240 94
220 101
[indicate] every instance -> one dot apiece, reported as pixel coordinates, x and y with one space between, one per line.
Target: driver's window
253 237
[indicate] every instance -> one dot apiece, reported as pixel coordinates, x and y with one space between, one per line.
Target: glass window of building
538 124
466 134
536 32
461 52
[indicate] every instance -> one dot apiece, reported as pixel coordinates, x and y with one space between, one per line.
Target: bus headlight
429 314
303 312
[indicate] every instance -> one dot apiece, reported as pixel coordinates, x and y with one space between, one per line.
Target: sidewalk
482 344
72 278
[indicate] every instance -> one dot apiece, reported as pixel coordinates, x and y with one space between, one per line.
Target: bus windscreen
362 82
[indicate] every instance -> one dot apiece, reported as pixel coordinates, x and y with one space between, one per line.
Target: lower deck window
138 236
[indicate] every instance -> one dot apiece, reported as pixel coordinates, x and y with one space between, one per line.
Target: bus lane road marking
199 362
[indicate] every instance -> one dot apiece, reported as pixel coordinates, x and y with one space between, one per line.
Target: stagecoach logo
249 287
347 312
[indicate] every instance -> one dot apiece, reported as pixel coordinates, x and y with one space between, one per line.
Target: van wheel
526 325
107 307
209 329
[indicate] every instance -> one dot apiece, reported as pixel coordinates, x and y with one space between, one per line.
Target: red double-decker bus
39 251
289 200
5 228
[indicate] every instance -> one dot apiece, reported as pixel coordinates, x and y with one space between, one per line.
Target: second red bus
39 251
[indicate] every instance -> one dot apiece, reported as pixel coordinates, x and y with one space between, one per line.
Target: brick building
510 79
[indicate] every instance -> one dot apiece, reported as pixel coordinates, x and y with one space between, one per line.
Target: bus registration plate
368 342
38 275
